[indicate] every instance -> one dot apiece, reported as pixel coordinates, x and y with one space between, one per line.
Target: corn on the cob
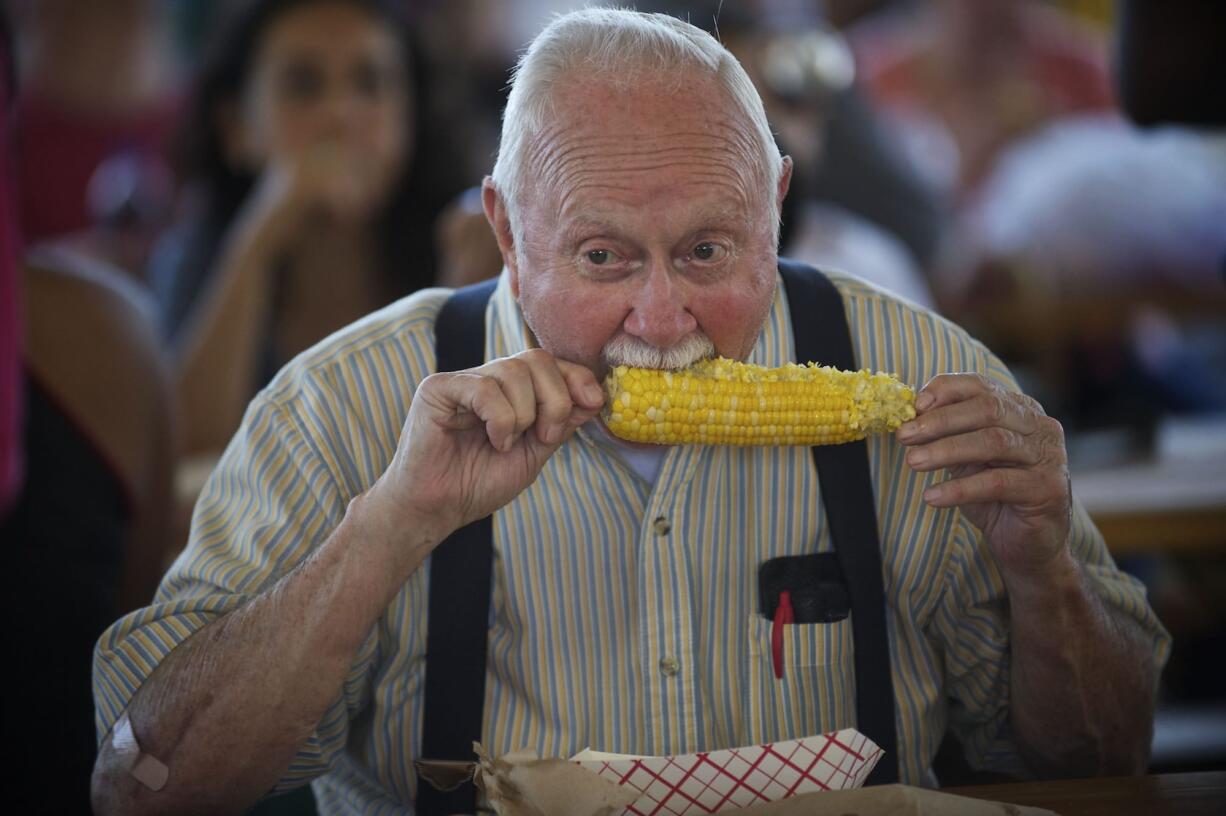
723 402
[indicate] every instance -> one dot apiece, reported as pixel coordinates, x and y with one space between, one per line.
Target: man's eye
600 257
707 251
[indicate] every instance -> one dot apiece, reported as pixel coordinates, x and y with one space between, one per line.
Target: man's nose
660 315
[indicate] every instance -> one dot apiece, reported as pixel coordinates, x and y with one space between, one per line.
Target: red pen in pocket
783 615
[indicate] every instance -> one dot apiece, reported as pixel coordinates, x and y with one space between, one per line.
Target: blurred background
195 191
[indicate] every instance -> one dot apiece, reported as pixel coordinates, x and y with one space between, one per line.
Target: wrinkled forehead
621 138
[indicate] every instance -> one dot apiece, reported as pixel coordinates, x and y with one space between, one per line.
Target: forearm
218 357
229 708
147 544
1083 681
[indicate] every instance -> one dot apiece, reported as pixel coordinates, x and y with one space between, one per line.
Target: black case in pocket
814 583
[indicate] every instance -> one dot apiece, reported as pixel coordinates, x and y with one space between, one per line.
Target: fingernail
594 393
553 434
933 494
907 430
924 401
917 458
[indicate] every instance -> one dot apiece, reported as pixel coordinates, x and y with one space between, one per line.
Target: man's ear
785 181
500 221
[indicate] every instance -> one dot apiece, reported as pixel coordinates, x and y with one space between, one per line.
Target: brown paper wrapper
521 784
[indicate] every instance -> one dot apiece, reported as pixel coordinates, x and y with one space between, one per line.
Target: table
1175 501
1185 794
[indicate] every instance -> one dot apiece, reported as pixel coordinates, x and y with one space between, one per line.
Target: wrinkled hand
475 439
1007 467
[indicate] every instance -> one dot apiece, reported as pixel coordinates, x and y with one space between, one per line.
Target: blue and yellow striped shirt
624 614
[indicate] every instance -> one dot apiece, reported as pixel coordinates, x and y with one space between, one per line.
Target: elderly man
634 200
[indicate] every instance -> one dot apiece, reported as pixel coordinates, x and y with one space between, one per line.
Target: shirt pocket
817 691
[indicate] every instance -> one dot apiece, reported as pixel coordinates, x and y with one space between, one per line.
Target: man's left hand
1007 467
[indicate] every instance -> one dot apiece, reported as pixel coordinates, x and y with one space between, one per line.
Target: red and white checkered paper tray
737 778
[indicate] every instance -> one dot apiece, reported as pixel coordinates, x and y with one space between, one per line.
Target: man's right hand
475 439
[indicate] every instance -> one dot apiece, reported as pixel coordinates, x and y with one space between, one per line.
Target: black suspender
460 572
461 567
821 334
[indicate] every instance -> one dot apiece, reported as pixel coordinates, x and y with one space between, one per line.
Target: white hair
621 48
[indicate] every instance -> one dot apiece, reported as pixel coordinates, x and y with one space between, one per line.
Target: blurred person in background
1096 251
307 206
1009 106
100 95
962 79
86 455
88 532
10 289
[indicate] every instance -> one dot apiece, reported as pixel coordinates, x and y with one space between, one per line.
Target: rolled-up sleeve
272 499
972 625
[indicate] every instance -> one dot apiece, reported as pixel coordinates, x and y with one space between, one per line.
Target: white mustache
630 351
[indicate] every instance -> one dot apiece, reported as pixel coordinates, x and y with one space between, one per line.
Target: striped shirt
624 614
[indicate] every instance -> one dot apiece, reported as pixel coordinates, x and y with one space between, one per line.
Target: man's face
646 229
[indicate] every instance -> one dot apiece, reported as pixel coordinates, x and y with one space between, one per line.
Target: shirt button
661 525
669 666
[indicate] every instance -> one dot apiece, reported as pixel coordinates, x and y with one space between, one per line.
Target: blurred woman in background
307 208
961 80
